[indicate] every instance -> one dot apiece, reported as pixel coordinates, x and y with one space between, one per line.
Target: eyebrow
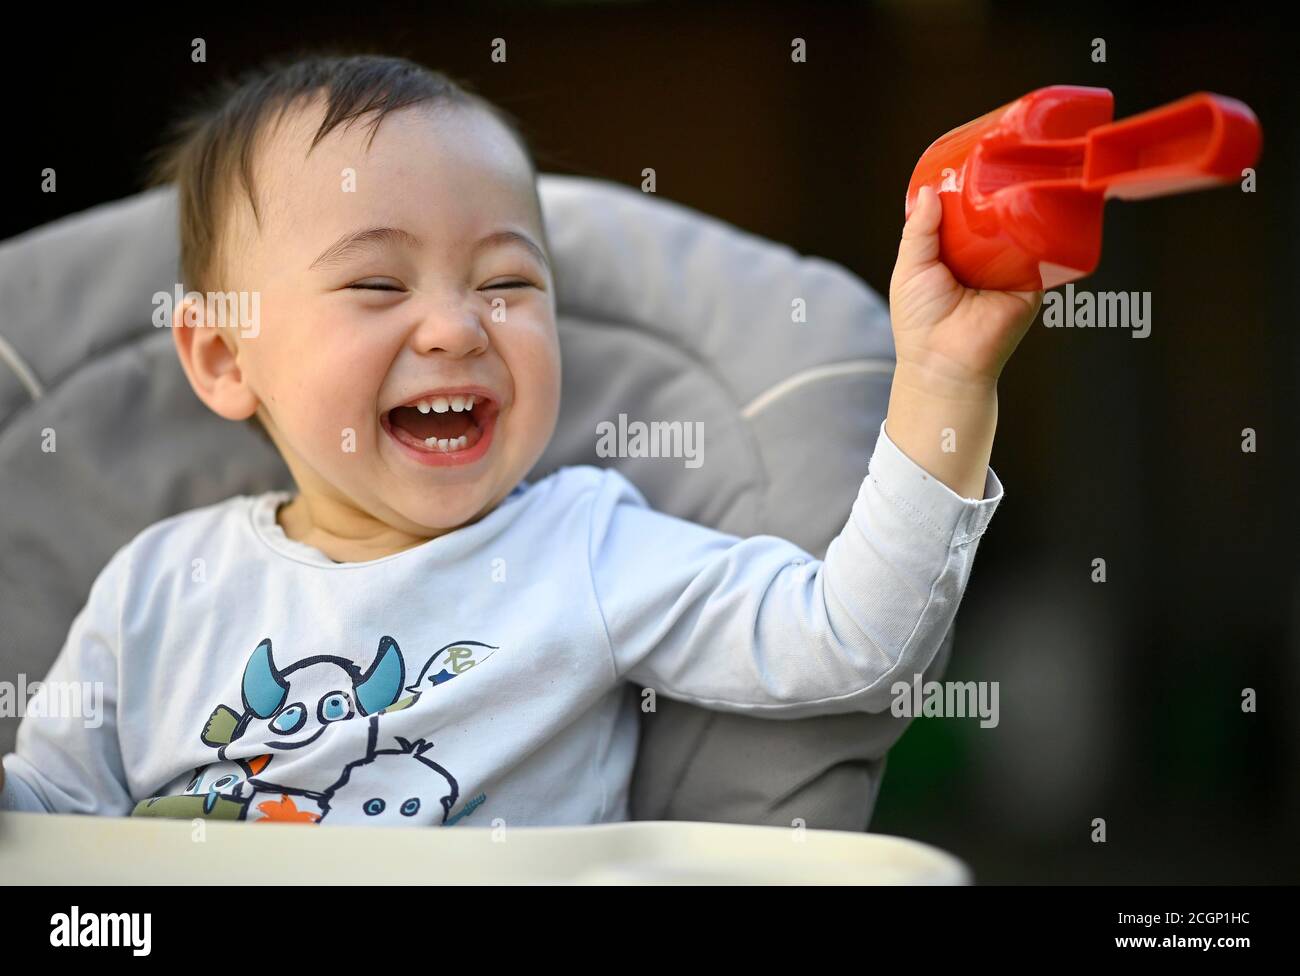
363 240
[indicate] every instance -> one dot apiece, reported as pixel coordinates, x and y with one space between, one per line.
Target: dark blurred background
1119 700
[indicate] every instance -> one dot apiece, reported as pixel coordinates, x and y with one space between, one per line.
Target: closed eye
373 288
503 284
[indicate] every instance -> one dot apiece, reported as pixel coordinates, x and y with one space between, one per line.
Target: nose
453 325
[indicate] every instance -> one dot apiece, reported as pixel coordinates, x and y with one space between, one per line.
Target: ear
209 355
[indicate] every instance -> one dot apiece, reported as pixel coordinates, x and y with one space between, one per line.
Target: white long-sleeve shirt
479 675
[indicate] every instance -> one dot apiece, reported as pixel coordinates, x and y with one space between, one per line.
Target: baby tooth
458 403
447 443
440 404
423 406
469 402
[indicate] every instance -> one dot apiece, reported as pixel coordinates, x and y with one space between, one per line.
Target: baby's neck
345 537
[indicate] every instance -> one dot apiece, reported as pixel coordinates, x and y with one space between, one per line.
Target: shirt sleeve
759 626
67 757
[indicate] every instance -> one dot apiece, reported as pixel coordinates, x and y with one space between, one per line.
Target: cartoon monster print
224 779
399 787
219 791
292 707
448 662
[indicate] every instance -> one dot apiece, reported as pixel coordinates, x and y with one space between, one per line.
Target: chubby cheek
323 400
535 366
341 410
331 433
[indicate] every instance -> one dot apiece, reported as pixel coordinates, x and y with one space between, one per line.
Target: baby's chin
434 510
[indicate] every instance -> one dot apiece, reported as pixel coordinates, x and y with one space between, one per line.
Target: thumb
920 244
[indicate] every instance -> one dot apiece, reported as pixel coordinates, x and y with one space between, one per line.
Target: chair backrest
664 314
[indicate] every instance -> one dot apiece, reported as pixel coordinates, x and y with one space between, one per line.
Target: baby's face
368 354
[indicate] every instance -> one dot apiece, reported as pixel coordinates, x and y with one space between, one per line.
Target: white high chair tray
80 850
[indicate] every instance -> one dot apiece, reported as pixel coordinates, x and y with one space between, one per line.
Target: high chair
665 314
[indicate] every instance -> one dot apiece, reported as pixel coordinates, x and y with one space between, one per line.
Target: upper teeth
441 404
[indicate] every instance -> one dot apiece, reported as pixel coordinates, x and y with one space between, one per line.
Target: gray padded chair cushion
664 314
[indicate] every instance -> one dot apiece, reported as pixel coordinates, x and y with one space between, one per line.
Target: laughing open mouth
444 423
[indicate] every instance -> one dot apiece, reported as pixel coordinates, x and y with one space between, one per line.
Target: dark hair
208 153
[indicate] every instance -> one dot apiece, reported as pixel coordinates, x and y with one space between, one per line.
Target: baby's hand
951 343
962 336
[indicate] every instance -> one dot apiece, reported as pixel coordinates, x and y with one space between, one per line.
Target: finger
920 243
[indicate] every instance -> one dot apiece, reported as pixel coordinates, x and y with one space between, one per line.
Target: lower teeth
447 444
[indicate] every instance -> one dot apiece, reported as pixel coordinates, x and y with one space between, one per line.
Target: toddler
417 635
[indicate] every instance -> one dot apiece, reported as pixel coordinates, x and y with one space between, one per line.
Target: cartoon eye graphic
225 781
373 806
411 807
334 706
194 783
290 720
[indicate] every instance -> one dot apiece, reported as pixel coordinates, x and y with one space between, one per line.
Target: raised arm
757 625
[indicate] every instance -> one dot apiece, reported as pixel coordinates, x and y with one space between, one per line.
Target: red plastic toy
1023 187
